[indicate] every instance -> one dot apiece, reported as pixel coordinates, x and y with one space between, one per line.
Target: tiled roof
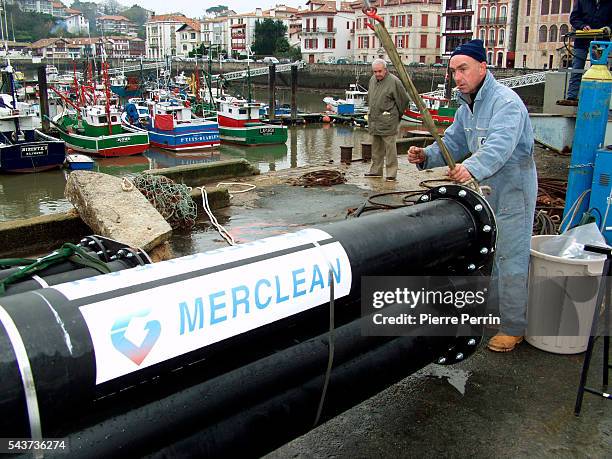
113 18
168 18
44 42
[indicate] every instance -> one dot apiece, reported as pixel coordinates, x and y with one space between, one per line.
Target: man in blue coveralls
492 130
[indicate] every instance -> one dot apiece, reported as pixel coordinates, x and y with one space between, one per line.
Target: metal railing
238 75
493 21
454 6
512 82
319 30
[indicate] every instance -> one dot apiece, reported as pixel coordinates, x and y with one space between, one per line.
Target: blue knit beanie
473 48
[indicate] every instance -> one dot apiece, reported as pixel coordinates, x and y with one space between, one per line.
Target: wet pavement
518 404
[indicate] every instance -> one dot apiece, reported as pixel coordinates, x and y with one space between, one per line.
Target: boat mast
106 82
249 99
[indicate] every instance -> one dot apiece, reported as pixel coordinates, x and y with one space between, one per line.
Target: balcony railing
493 21
455 30
238 35
457 6
318 30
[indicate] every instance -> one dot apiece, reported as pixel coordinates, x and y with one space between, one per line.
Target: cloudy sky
195 8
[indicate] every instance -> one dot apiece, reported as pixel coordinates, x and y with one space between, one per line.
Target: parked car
342 60
284 60
270 60
437 65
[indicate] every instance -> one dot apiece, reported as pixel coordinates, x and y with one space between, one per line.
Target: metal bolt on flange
462 194
442 190
484 251
471 267
424 198
471 342
486 228
441 360
478 207
459 356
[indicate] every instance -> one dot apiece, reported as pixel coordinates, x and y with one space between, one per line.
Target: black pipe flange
459 350
484 238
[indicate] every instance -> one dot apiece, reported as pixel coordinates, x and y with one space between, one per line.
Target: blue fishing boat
172 125
23 148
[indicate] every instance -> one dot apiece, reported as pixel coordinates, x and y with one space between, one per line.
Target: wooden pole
294 84
44 98
272 92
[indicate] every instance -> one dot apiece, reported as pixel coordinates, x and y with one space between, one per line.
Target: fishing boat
78 162
97 130
95 126
440 109
125 86
355 96
23 148
172 125
240 123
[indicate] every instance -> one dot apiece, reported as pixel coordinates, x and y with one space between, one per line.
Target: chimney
258 12
338 5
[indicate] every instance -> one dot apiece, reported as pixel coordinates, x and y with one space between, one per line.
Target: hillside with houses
517 33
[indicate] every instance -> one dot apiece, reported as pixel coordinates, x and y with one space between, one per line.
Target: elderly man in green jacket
387 100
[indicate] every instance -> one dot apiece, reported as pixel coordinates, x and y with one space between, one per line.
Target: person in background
387 100
586 15
493 137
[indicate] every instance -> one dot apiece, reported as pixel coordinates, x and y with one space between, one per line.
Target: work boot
504 343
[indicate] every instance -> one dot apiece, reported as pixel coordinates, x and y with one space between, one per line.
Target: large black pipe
446 235
262 428
237 398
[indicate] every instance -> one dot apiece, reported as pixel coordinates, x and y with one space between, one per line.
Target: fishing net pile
172 200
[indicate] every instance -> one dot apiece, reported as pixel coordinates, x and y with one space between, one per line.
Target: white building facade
161 35
77 24
327 32
415 28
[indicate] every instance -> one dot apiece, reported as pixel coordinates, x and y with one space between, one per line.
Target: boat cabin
239 109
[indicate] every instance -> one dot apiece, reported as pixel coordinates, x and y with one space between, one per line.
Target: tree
136 14
216 11
270 38
30 27
111 7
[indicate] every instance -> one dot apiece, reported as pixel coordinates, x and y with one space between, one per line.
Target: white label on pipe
141 274
143 328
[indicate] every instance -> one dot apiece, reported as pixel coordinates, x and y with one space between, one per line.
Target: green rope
16 261
68 251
